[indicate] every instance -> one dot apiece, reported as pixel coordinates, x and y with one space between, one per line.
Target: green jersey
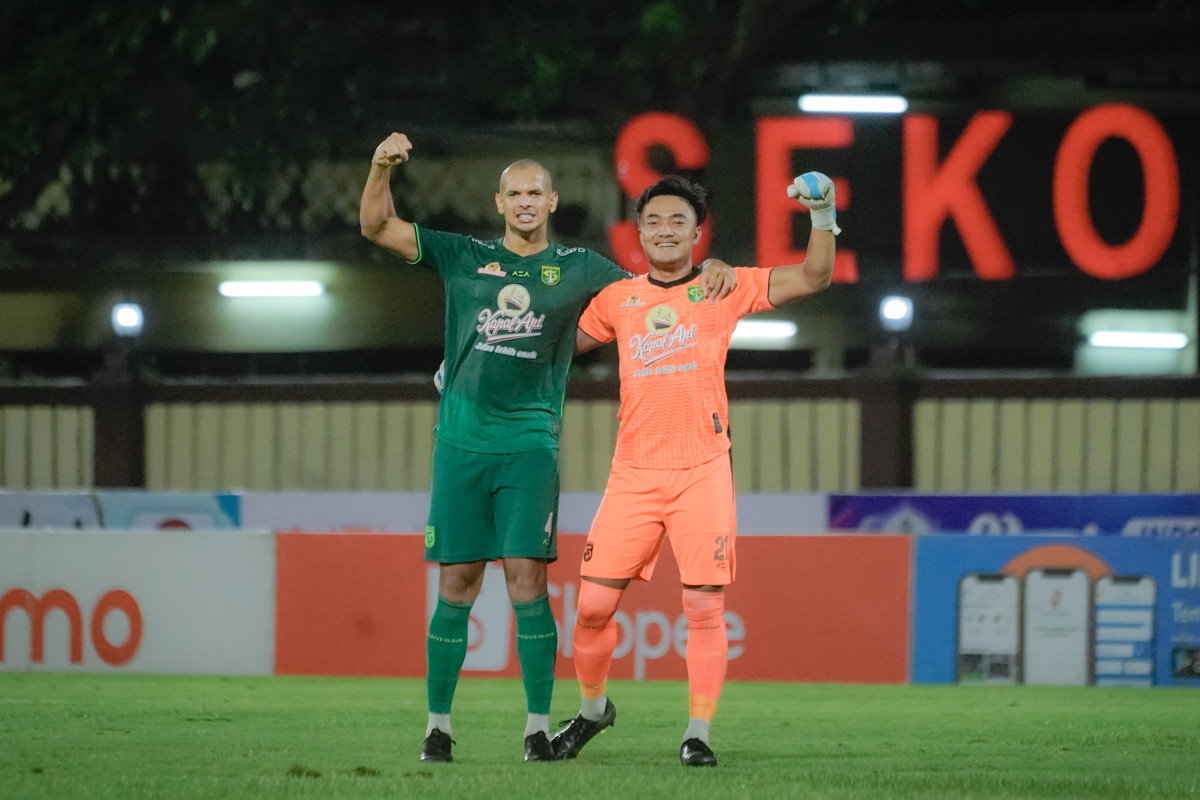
510 336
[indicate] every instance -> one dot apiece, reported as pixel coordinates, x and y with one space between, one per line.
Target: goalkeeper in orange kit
671 475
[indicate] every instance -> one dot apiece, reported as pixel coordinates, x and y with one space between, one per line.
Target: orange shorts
694 508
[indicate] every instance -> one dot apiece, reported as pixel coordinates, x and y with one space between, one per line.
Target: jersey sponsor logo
513 300
512 318
551 275
634 301
695 294
661 319
566 251
664 337
493 268
520 273
482 243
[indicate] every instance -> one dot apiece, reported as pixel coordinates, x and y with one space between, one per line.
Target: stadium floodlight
896 313
272 288
763 334
127 319
1142 340
819 103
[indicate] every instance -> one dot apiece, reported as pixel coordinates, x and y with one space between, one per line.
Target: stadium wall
935 433
862 588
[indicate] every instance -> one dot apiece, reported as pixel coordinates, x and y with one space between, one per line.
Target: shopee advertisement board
804 608
176 602
1106 610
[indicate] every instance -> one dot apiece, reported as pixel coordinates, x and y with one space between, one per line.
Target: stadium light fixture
1141 340
765 329
272 288
763 334
896 313
819 103
127 319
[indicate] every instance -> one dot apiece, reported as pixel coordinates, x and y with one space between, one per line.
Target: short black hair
676 186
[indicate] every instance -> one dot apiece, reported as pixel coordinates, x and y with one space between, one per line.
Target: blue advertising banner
1161 515
1046 610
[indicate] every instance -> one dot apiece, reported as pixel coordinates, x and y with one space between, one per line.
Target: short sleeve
596 321
753 291
605 271
438 251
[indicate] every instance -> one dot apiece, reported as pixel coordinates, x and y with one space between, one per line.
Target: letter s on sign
631 158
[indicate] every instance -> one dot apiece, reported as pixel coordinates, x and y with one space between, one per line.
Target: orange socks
707 650
595 637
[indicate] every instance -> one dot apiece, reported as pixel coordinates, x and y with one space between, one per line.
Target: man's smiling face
668 230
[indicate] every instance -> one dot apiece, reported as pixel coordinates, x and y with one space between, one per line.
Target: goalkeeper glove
816 190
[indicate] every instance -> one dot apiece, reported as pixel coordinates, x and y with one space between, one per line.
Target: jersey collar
677 282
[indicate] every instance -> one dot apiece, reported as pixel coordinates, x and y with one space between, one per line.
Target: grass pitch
124 736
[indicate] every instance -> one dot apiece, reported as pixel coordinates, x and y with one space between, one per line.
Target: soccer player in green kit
512 308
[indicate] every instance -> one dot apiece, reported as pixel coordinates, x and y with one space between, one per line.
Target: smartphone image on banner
1123 644
1056 621
989 635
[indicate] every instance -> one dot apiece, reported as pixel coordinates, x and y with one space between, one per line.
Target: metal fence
791 434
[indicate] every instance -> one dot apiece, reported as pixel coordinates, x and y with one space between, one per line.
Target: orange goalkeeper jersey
672 345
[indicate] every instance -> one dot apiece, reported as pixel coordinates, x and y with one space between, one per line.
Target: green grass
123 736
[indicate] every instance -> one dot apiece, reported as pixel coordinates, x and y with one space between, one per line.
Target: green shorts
485 506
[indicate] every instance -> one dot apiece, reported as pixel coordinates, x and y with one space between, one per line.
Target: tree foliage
100 87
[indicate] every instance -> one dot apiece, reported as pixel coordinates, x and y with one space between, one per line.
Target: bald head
528 167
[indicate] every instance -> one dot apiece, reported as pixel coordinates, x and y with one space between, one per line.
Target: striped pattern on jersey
672 345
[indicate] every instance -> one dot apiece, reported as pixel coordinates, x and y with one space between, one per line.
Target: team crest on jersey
695 294
493 268
634 301
551 275
661 319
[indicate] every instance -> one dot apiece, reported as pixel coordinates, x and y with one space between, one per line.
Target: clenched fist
392 151
816 190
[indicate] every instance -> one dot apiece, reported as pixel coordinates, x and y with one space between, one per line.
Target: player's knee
597 604
525 582
460 583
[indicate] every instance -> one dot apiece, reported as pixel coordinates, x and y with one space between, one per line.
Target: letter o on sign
116 600
1160 172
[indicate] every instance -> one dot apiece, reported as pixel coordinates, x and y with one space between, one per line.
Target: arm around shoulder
377 211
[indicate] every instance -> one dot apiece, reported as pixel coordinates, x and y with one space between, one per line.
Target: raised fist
392 151
816 190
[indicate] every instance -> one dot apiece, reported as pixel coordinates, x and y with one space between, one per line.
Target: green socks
445 651
537 644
